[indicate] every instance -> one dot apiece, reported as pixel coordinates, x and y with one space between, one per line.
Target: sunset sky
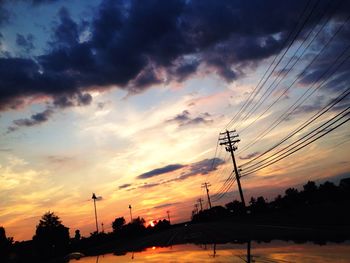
126 99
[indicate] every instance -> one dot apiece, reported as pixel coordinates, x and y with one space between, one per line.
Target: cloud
165 205
184 119
198 168
61 160
149 185
77 99
123 186
35 119
201 168
166 169
5 150
130 43
249 156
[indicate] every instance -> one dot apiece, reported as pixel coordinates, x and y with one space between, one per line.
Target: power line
224 185
311 132
321 112
295 62
224 191
249 99
290 110
326 131
270 89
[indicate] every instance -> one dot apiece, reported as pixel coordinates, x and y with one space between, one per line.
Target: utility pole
168 212
206 186
130 213
228 139
94 198
200 203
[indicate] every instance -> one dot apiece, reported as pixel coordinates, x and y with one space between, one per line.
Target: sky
126 99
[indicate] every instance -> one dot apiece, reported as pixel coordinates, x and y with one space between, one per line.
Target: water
276 251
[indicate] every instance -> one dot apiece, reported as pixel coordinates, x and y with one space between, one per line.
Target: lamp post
94 198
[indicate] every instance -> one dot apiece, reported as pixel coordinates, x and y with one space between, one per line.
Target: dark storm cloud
166 169
4 14
249 156
39 2
333 64
66 33
25 43
131 42
3 53
185 119
320 103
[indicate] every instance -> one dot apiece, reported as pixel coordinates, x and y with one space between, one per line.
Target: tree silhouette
51 236
5 244
118 223
136 227
235 207
77 235
310 191
310 187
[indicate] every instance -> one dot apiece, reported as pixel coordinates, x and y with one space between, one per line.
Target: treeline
323 204
52 243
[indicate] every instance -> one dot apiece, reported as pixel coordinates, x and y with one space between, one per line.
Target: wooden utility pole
94 198
206 186
200 203
228 139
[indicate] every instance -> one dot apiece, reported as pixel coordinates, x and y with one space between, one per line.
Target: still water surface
276 251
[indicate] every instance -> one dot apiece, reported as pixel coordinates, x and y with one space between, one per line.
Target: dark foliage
5 243
51 238
118 223
307 206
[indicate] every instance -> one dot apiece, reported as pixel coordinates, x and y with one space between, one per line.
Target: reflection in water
276 251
